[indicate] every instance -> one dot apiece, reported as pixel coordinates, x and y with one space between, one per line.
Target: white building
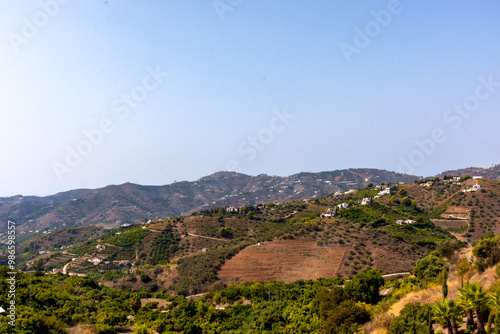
365 201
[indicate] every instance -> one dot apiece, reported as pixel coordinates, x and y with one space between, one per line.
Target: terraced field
283 260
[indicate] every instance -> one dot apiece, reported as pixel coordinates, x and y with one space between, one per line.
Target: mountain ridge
131 203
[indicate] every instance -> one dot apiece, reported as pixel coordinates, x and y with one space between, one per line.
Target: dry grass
431 294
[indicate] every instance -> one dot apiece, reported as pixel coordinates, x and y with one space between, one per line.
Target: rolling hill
132 203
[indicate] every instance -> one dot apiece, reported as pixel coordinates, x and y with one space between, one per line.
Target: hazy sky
105 92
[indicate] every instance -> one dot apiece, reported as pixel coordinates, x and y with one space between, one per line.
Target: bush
365 287
345 318
447 248
413 318
429 267
145 278
105 329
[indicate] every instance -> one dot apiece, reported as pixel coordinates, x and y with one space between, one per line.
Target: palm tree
474 298
448 314
468 308
494 304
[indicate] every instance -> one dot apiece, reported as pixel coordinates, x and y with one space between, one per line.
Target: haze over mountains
131 203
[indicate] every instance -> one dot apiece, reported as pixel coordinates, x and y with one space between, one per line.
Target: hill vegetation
332 264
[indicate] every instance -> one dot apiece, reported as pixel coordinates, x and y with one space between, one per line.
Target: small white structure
404 222
343 205
231 209
365 201
475 187
329 213
386 191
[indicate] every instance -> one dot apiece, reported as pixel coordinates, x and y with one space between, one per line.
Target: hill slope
133 203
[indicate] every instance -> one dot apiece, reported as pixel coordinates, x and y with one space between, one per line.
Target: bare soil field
283 260
450 223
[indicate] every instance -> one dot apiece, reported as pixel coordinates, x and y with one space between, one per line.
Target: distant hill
492 173
130 203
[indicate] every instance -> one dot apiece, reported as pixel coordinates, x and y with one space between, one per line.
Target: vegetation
182 256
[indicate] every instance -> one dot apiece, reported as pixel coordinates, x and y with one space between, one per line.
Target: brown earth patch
450 223
283 260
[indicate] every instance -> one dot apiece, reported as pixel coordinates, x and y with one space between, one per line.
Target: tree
145 278
429 267
345 318
494 304
413 318
447 248
445 284
463 267
473 297
448 314
225 232
365 286
489 250
135 303
402 192
406 201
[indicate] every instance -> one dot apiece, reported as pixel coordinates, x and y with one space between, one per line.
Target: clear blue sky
256 86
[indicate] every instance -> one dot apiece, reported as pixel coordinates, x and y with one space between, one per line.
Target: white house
404 222
343 206
365 201
329 213
386 191
475 187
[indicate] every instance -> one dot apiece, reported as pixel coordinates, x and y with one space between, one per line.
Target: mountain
130 203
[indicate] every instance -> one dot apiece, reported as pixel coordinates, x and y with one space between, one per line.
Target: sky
94 93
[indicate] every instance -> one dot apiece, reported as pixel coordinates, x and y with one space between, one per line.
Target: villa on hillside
386 191
329 212
404 222
475 187
365 201
343 205
231 209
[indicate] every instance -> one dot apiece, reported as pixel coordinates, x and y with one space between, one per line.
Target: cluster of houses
329 212
98 259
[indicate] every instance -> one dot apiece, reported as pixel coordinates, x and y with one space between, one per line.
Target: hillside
234 257
132 203
492 173
296 242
